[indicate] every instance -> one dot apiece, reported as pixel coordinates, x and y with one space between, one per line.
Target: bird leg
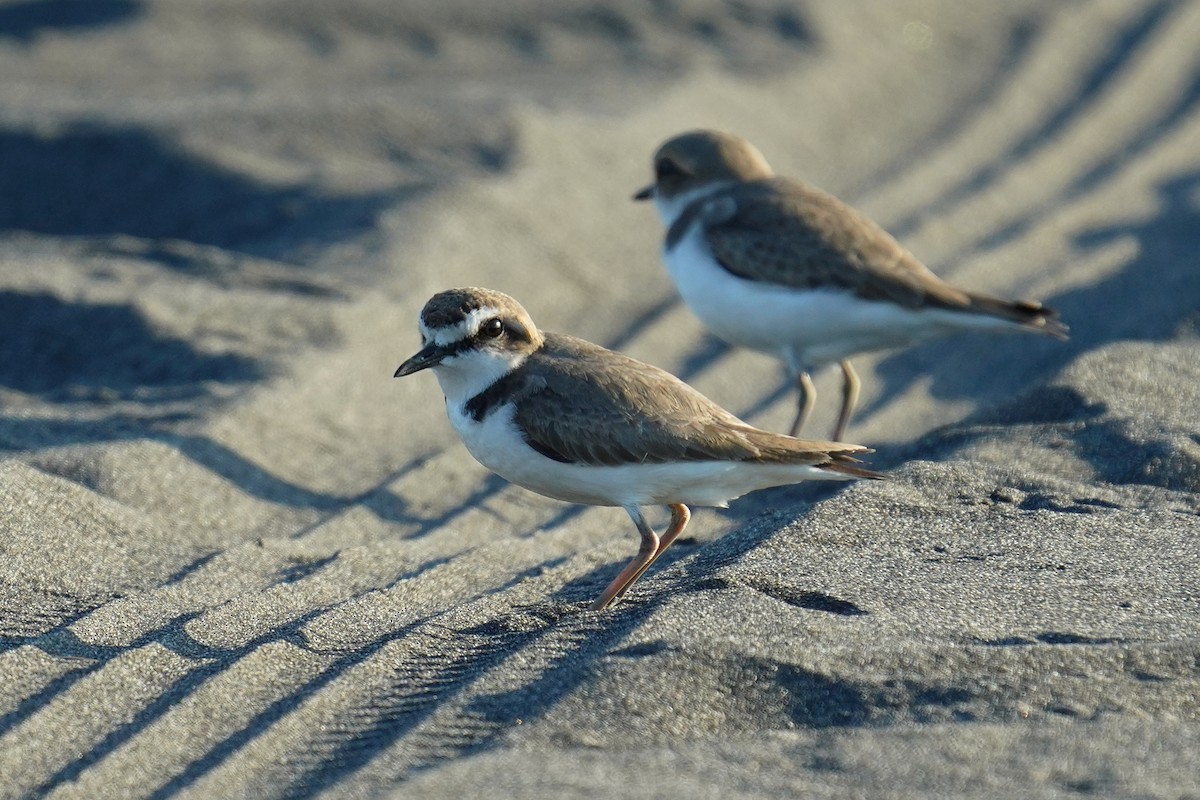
850 385
651 548
808 398
679 520
645 555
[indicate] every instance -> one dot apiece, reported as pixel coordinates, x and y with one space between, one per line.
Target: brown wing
628 412
785 232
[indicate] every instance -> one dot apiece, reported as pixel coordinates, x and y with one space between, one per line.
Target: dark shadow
1152 132
1125 45
1117 457
1042 405
708 350
720 30
72 351
810 699
271 714
191 568
816 700
775 588
642 649
224 268
18 434
257 482
1051 407
173 636
64 643
1049 637
643 320
1149 299
94 180
1018 47
795 497
24 21
585 588
303 568
27 613
1115 453
420 695
1155 292
441 663
565 514
252 478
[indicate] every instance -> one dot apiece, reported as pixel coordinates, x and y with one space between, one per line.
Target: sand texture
239 560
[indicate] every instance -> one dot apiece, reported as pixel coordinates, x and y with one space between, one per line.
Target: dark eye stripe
454 348
666 168
515 330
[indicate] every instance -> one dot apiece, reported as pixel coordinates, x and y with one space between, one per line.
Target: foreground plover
577 422
775 265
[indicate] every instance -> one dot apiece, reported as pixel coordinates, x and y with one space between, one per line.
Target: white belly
497 444
807 328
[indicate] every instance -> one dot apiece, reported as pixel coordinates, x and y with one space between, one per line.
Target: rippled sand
238 559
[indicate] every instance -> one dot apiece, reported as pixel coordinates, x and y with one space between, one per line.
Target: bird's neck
672 208
471 374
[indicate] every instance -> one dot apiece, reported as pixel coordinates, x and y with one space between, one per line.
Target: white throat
669 208
467 374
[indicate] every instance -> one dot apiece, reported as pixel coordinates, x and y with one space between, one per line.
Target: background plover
775 265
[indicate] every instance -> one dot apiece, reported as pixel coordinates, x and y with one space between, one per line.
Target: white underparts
805 327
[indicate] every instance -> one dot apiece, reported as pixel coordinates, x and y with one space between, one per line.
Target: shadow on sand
96 180
25 20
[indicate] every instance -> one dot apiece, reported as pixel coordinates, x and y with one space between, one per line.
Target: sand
238 559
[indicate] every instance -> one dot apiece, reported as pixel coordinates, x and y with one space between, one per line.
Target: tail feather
1028 313
836 457
846 465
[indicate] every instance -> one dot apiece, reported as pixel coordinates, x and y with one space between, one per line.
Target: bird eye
665 168
492 328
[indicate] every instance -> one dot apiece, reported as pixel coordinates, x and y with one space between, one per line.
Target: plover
775 265
574 421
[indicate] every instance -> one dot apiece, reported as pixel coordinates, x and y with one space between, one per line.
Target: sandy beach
239 560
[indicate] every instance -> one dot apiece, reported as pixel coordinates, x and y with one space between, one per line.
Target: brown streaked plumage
577 422
778 232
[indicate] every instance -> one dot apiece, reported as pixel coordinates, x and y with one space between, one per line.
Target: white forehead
464 329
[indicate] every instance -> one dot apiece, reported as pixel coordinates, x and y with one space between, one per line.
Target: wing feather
785 232
628 412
